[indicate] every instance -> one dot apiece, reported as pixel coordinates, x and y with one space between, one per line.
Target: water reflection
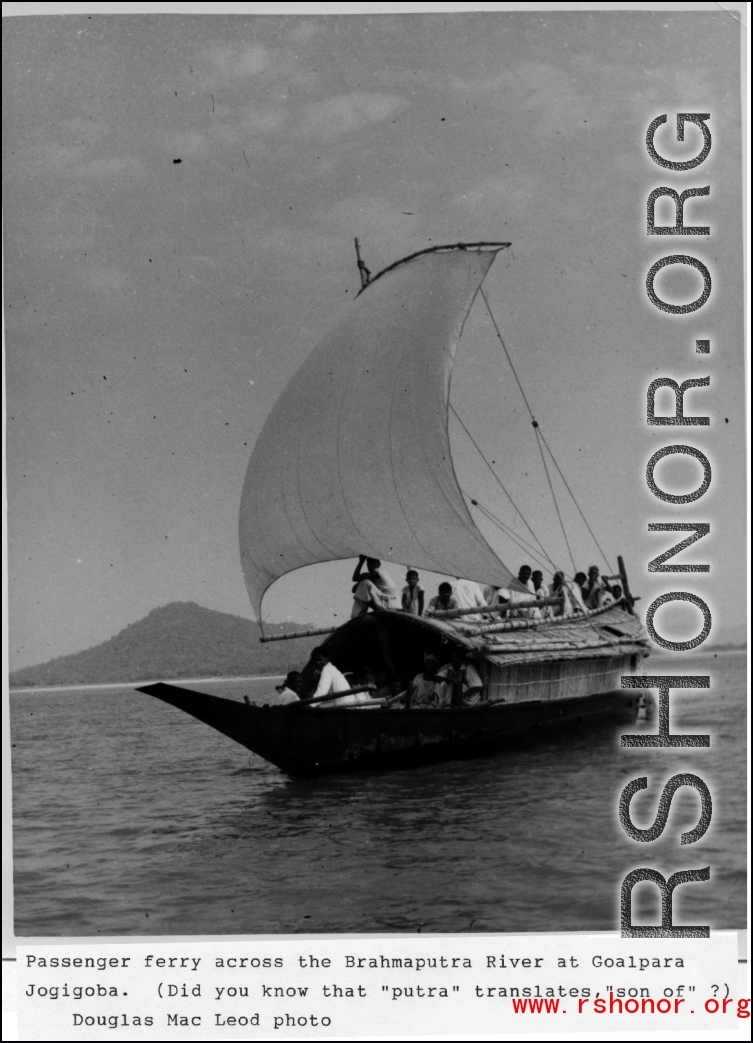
133 818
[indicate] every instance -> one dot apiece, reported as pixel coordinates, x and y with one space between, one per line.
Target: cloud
112 168
545 91
185 143
335 117
260 119
59 243
60 225
509 196
105 279
51 158
225 63
247 130
296 243
369 215
84 130
205 260
303 32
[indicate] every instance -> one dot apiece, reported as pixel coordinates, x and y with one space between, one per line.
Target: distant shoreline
134 684
734 650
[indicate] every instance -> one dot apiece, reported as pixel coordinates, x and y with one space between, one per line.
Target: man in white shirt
517 599
332 681
367 596
376 574
372 589
470 595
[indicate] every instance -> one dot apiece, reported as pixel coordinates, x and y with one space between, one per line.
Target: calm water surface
133 818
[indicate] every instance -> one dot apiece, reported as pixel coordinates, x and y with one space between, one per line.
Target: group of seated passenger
456 684
329 681
373 590
567 597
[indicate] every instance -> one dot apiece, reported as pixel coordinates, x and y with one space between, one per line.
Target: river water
132 818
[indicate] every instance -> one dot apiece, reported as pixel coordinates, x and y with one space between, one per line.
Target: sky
181 198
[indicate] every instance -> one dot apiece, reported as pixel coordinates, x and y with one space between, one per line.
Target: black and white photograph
375 446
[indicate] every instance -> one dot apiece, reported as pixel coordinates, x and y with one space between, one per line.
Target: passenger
491 594
444 601
377 575
593 592
462 684
580 579
367 676
541 590
576 593
330 681
367 596
290 688
423 687
413 594
558 588
611 595
519 606
470 595
524 576
385 687
517 600
378 689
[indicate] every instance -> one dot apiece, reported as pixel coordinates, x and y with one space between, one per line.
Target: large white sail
355 456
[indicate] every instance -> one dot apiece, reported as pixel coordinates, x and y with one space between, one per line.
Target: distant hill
181 639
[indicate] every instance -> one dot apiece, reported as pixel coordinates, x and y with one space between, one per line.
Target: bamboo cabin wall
548 681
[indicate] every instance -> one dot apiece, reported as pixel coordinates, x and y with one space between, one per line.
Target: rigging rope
572 495
517 540
507 353
521 542
539 434
556 505
498 480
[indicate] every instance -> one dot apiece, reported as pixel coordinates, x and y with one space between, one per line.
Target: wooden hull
306 741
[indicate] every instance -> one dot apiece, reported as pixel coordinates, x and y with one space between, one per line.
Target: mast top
362 269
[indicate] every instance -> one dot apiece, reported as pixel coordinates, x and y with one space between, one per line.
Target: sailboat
355 459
